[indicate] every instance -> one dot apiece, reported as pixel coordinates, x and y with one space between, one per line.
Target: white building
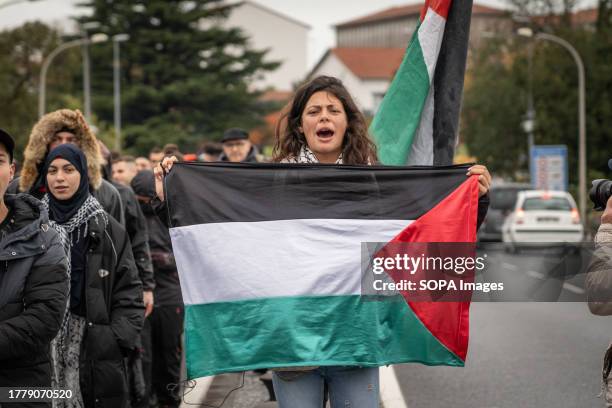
366 72
284 37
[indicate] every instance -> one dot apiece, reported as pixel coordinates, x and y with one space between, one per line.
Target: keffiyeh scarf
307 156
65 348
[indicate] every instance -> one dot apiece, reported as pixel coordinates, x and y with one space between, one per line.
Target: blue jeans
349 387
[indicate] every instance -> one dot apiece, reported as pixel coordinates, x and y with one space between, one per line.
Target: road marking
535 274
567 286
509 266
390 392
198 394
573 288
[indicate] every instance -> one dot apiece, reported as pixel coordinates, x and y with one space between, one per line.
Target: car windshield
552 203
503 198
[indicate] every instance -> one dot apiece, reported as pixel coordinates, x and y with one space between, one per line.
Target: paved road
522 354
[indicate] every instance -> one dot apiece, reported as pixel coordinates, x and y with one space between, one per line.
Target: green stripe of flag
265 333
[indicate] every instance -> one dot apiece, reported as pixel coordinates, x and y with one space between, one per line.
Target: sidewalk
235 390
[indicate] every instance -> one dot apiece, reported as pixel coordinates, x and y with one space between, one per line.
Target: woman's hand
166 164
484 178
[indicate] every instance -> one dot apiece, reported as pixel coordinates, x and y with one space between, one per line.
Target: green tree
23 50
496 99
184 76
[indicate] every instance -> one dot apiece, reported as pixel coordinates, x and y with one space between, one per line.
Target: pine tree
185 77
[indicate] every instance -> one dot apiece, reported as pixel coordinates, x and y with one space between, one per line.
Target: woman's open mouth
325 134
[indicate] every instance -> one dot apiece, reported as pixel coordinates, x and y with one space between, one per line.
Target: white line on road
390 392
567 286
509 266
535 274
573 288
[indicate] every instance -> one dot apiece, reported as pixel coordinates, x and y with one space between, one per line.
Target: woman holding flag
322 124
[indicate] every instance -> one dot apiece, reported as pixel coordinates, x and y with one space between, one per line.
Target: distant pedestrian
156 155
142 163
171 149
124 169
210 152
136 228
237 148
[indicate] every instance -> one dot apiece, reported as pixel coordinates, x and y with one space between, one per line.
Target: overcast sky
321 15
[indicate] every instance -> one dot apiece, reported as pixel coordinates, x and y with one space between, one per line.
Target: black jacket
107 195
136 226
33 293
114 313
167 284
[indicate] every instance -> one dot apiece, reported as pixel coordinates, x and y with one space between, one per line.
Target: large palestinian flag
269 262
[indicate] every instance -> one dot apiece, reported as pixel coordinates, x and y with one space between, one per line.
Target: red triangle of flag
451 220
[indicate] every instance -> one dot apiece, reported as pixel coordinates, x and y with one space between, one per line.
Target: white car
541 218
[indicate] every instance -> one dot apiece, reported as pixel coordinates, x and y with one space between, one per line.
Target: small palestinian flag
269 257
418 120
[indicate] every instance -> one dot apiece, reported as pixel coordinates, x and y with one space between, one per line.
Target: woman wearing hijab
105 311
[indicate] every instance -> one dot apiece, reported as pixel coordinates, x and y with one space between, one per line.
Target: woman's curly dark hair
357 147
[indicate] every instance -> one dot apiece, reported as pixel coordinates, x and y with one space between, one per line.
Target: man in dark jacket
237 148
33 284
136 228
162 331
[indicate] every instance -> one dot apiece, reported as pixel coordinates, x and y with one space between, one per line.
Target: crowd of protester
90 298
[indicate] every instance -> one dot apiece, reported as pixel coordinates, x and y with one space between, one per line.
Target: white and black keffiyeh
65 347
307 156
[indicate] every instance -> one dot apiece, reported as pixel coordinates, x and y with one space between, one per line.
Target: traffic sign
549 167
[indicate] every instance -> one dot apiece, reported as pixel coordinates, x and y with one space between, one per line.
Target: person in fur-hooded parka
43 135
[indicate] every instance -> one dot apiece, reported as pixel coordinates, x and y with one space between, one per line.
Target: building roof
368 63
274 12
578 18
411 10
588 16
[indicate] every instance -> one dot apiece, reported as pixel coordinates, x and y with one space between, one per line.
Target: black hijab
61 211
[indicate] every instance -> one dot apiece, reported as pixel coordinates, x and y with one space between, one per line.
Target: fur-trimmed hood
42 134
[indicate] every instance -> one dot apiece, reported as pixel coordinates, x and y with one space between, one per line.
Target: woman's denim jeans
352 387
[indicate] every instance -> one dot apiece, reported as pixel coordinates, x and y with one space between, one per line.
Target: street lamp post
91 25
528 32
42 85
117 39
